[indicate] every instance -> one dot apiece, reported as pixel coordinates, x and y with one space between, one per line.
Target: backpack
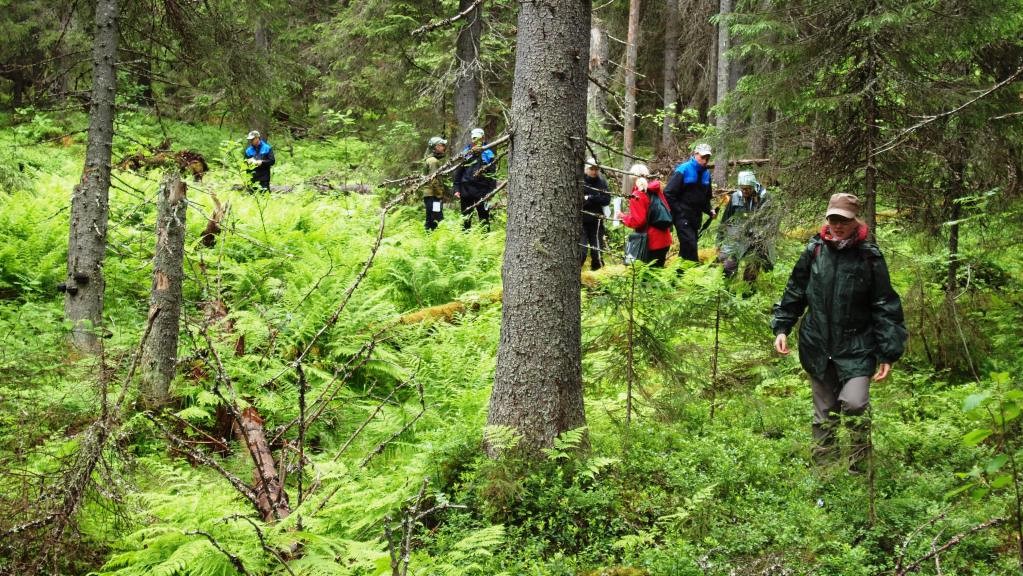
657 214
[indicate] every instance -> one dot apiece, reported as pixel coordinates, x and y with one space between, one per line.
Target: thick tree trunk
87 237
631 56
161 352
670 94
538 382
467 81
271 498
721 118
596 97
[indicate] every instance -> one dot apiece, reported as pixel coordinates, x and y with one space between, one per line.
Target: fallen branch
434 25
953 541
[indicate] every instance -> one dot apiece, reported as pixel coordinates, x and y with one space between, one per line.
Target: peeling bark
159 362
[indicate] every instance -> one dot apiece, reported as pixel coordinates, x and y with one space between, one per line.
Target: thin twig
235 561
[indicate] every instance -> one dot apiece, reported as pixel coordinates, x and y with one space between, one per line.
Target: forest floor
709 474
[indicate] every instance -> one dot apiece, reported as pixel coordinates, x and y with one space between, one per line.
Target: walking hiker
740 234
643 192
689 197
260 155
854 327
595 198
474 179
435 190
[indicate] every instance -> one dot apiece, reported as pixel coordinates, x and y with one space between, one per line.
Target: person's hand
476 149
781 343
458 194
252 161
882 371
713 213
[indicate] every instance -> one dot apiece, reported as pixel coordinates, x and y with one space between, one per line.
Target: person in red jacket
658 241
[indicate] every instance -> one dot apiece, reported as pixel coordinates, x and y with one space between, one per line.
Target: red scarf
858 236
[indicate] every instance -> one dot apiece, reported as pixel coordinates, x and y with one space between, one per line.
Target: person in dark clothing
853 328
595 198
261 156
434 191
689 197
474 179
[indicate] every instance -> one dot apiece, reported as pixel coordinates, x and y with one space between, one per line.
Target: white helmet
476 133
639 170
591 163
747 178
435 141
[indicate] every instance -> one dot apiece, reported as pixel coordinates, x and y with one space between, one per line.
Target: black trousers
656 258
687 226
433 217
591 241
263 184
467 202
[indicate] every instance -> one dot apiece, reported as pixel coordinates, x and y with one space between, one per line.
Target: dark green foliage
675 492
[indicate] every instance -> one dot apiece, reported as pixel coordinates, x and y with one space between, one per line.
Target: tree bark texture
629 120
87 236
721 118
596 97
872 140
538 381
670 93
467 80
161 352
272 499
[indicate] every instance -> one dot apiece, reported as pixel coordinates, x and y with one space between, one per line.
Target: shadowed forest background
332 363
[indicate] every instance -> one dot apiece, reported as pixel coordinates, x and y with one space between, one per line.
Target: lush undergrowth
708 474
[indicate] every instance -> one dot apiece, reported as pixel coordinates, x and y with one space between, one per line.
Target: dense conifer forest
234 341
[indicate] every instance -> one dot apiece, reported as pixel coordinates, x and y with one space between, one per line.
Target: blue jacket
689 187
474 178
264 153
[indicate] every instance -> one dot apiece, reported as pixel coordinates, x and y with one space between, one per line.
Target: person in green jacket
434 192
853 327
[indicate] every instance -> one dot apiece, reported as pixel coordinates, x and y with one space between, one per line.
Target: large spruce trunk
538 382
467 82
87 237
159 361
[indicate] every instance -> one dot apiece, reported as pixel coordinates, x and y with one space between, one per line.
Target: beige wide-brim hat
842 204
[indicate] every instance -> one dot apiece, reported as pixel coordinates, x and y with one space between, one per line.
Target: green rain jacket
854 316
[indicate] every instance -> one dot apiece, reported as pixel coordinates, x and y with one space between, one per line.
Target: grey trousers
833 399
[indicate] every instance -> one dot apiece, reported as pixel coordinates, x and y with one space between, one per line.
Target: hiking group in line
851 324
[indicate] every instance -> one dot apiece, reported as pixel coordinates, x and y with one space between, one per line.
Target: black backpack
657 214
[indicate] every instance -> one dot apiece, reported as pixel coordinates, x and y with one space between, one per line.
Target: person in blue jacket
260 155
689 195
474 179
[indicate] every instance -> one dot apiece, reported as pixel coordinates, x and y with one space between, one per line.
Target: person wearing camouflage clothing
435 191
